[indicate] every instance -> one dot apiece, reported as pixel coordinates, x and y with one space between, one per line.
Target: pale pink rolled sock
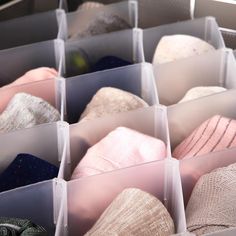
215 134
41 73
121 148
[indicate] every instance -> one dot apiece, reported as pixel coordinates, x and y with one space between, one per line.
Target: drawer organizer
40 37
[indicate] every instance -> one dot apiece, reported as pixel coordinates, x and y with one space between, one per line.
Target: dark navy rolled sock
24 170
109 62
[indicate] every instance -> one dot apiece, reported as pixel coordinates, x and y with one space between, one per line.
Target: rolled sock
121 148
134 212
109 100
90 5
22 227
102 24
109 62
215 134
175 47
199 92
212 204
24 111
24 170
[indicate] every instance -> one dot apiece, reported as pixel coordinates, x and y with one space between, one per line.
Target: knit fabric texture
215 134
109 62
175 47
89 5
134 212
121 148
24 111
110 100
212 205
24 170
20 227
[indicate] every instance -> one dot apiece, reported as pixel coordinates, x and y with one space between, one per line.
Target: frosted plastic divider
235 53
63 5
29 29
133 12
224 11
150 121
203 28
216 68
88 197
111 44
157 12
59 49
184 117
62 24
138 51
137 79
33 202
81 19
24 58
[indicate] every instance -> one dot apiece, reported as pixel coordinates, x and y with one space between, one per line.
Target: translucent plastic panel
89 197
229 37
193 168
80 20
18 8
157 12
150 121
43 141
29 29
223 11
215 68
100 46
25 58
185 117
203 28
34 202
137 79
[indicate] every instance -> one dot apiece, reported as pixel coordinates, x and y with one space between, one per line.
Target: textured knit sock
198 92
102 24
21 227
24 111
212 205
24 170
134 212
215 134
90 5
110 100
109 62
121 148
174 47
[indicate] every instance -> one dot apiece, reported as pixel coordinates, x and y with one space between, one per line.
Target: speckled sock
24 111
24 170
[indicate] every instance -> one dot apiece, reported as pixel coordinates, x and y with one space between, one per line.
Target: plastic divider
203 28
109 45
35 202
18 8
137 79
79 20
29 29
89 197
215 68
24 58
184 117
158 12
150 121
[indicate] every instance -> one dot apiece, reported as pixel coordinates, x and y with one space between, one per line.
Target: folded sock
103 23
212 204
109 62
134 212
22 227
24 111
121 148
24 170
110 100
215 134
174 47
198 92
89 5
